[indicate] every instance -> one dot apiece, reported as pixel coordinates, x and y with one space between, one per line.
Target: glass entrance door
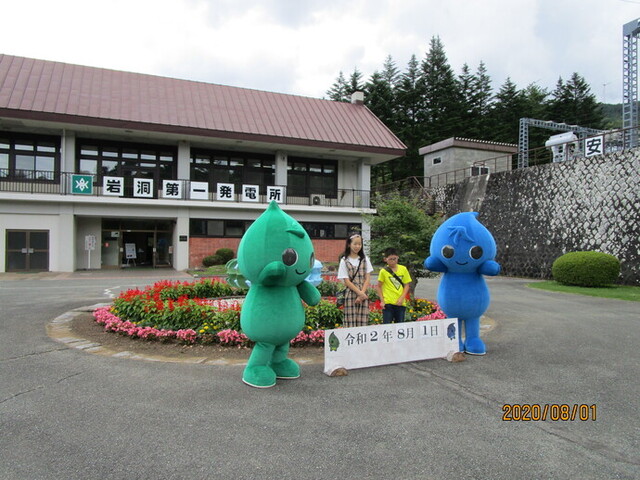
27 251
164 249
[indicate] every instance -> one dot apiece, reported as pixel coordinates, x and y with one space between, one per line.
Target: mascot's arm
490 268
309 293
435 264
273 272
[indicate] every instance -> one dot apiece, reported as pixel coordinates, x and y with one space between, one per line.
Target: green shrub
330 288
225 255
210 260
586 269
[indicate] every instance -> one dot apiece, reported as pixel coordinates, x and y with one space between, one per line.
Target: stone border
60 330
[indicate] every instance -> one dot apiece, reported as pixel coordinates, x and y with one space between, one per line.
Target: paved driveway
67 414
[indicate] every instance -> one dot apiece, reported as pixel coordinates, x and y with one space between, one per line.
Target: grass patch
617 292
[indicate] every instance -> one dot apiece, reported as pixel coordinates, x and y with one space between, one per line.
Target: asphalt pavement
68 414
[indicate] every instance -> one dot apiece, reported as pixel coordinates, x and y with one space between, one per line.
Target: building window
202 227
99 158
437 160
237 168
306 176
331 230
29 157
107 158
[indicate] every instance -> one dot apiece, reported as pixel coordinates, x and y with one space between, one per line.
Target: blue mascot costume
464 250
275 255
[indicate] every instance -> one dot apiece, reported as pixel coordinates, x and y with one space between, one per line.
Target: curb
60 330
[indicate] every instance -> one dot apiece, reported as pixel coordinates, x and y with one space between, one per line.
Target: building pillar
63 255
184 160
68 152
181 247
281 168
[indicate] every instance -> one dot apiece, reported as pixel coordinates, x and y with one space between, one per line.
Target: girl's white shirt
342 268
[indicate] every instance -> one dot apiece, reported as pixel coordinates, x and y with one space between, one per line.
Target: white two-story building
110 169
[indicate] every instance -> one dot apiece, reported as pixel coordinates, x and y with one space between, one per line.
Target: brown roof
55 91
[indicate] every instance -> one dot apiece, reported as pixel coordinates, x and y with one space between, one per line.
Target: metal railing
62 183
613 141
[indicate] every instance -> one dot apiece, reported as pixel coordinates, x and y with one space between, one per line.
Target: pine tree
507 112
442 114
482 102
574 104
379 97
536 106
355 83
468 114
390 73
409 96
338 91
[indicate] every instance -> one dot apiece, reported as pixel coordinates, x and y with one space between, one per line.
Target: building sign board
113 186
594 146
199 191
275 193
82 184
143 187
171 189
225 192
250 193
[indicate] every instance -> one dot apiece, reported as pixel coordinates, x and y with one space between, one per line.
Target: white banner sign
374 345
199 191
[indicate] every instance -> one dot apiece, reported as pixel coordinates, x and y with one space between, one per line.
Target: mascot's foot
286 369
259 377
474 346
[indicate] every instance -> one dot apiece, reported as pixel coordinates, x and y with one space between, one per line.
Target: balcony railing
76 184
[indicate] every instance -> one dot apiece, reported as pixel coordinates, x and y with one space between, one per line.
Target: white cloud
300 46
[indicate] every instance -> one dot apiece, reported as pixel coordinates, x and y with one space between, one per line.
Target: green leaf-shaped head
275 250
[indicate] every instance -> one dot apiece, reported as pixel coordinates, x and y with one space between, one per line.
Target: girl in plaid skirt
355 270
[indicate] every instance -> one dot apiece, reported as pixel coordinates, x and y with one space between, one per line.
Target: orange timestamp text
537 412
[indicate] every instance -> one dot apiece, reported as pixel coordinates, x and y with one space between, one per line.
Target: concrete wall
539 213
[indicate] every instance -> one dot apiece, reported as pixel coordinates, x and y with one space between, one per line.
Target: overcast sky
300 46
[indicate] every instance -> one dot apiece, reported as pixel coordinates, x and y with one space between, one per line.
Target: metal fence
69 183
612 141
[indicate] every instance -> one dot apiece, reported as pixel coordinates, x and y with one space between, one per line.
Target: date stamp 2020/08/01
537 412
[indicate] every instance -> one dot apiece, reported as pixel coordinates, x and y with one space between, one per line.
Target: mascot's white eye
312 261
476 252
448 251
289 257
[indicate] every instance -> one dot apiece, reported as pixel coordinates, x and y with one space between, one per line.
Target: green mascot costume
275 255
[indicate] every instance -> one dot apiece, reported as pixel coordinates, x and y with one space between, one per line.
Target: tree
355 83
380 99
536 106
338 91
409 102
390 73
481 103
402 223
574 104
441 116
506 113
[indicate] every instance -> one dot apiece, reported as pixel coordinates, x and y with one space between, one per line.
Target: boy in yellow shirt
393 288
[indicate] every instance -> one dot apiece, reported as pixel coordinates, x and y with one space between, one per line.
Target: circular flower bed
208 311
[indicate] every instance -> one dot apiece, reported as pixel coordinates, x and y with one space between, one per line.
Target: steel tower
630 34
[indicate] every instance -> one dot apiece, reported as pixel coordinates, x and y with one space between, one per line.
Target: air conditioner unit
479 171
316 199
